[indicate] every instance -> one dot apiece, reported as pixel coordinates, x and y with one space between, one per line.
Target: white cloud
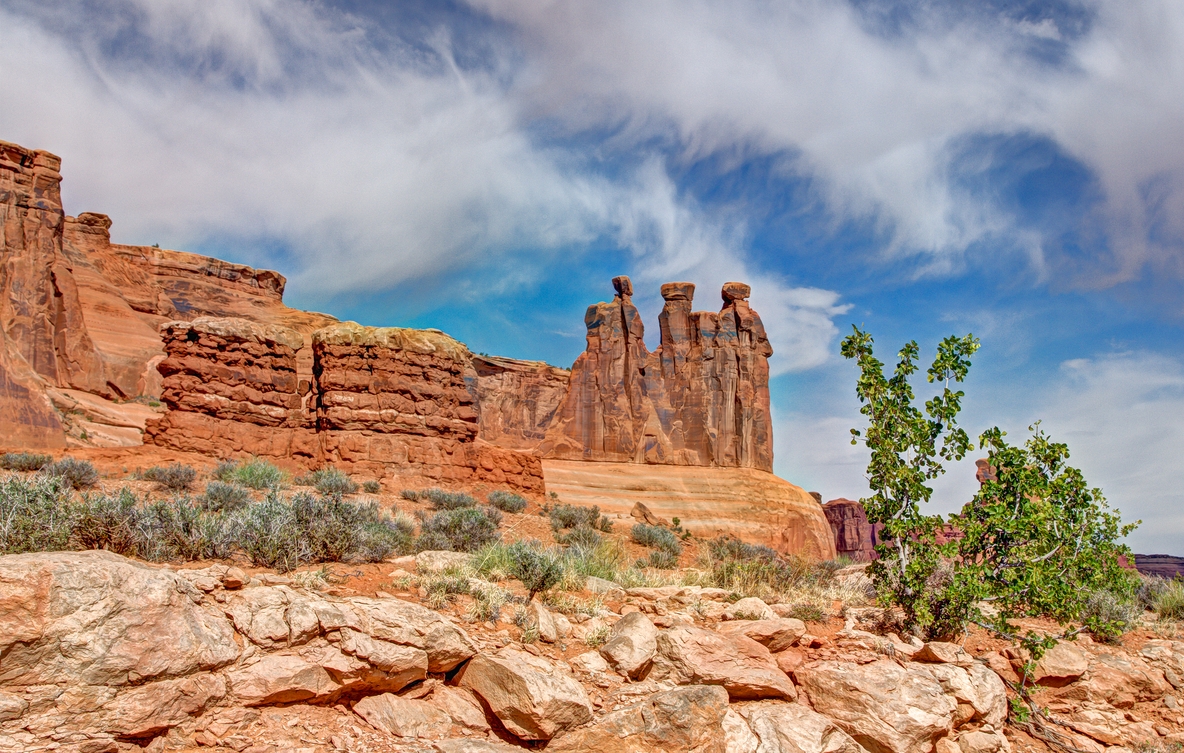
875 117
372 170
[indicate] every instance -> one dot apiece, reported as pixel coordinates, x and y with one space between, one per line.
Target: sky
1010 168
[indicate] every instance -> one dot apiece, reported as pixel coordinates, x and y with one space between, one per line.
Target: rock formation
518 400
855 537
79 315
702 398
378 401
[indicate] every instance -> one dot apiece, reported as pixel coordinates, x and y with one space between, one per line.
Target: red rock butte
108 345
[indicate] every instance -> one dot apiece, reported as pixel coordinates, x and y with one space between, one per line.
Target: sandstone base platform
752 505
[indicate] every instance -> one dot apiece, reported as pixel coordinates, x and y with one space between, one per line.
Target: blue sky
1015 170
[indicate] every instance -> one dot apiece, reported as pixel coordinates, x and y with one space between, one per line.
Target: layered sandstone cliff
79 315
700 399
378 401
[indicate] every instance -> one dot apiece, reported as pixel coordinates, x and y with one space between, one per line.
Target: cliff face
375 400
701 399
518 400
79 315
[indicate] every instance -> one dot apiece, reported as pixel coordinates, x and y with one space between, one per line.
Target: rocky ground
103 653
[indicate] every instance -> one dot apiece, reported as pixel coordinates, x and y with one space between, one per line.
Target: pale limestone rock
940 652
775 635
461 706
403 665
279 678
790 728
527 693
975 685
684 719
977 741
631 645
745 668
95 618
883 706
1061 665
402 717
750 608
590 661
540 618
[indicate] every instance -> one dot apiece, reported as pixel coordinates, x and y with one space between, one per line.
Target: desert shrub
36 515
488 602
1108 614
581 537
537 568
223 497
756 570
409 494
660 559
270 535
224 471
180 529
79 473
1168 602
604 560
807 611
466 529
175 476
656 537
24 461
507 501
571 516
107 521
371 487
329 480
445 586
256 473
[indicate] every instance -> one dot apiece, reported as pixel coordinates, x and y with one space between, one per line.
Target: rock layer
379 401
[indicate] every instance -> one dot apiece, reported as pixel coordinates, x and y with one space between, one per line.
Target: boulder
1061 665
543 621
643 513
600 585
975 686
470 745
979 741
404 717
769 727
684 719
886 708
631 645
95 618
530 695
590 661
1119 680
750 608
280 679
461 706
940 652
775 635
745 668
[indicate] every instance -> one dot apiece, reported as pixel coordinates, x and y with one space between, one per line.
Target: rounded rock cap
678 291
736 291
623 285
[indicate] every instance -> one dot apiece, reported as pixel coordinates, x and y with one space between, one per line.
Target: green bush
756 570
463 530
24 461
257 473
656 537
80 474
175 476
329 480
36 515
572 516
507 501
538 569
371 487
223 497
